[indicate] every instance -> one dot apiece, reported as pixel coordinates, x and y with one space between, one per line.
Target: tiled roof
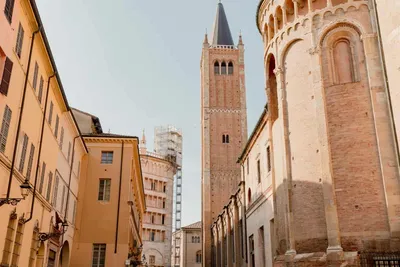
196 225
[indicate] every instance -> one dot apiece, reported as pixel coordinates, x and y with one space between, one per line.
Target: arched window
216 68
225 138
230 68
152 218
249 195
223 68
7 251
198 256
343 61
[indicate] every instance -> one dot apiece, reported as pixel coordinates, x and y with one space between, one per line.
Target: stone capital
278 71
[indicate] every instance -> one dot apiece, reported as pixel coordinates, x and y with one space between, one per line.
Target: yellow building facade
40 142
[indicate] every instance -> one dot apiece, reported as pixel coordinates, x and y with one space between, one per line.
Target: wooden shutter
30 161
40 94
23 153
35 75
5 81
42 178
4 128
56 126
50 182
20 40
62 138
55 193
9 9
51 112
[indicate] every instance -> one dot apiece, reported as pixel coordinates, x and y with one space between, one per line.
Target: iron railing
380 259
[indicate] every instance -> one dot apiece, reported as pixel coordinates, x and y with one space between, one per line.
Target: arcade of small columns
290 11
228 232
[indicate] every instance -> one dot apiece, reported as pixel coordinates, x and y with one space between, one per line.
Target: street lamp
45 236
14 201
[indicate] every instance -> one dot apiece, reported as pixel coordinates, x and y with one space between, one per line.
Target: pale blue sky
136 64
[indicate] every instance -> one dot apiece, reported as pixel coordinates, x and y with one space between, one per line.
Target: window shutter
61 138
9 9
40 94
62 199
20 40
42 178
49 186
56 126
5 82
51 112
55 194
30 161
4 128
74 212
69 151
35 75
23 153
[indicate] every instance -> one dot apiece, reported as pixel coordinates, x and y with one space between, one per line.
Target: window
252 256
4 128
52 258
99 255
227 138
223 68
163 204
107 157
162 219
152 218
5 80
198 256
35 76
62 199
343 59
40 94
258 171
30 162
56 126
152 236
20 40
51 112
195 239
61 138
216 68
69 151
42 178
269 158
74 212
32 255
249 195
152 260
248 165
50 182
153 186
261 245
17 243
230 68
104 189
164 189
23 153
9 240
8 10
55 194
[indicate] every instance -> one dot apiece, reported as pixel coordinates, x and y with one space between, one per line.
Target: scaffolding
168 143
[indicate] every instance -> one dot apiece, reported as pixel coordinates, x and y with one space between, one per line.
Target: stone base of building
349 259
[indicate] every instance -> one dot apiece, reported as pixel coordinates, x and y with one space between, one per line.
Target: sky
135 64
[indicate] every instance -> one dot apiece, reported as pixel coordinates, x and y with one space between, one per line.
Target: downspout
119 197
40 149
20 113
70 175
383 63
244 218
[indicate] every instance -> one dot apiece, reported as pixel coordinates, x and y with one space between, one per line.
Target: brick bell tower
224 122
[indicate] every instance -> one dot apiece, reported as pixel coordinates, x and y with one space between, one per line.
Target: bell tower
224 122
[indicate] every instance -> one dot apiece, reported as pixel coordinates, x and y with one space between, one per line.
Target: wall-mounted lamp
45 236
14 201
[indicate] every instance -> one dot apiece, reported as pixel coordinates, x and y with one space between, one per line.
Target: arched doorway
64 255
40 255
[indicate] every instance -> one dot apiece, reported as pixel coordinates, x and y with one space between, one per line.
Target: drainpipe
244 213
70 174
40 148
119 197
383 63
20 113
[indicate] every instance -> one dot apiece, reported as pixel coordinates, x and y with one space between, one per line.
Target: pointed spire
240 39
222 34
205 39
142 145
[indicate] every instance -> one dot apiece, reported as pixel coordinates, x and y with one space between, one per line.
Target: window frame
20 40
103 194
99 248
9 10
105 157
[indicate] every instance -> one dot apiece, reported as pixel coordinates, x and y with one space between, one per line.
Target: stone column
228 237
236 234
221 234
384 132
284 20
296 9
309 5
283 113
275 25
334 250
329 3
